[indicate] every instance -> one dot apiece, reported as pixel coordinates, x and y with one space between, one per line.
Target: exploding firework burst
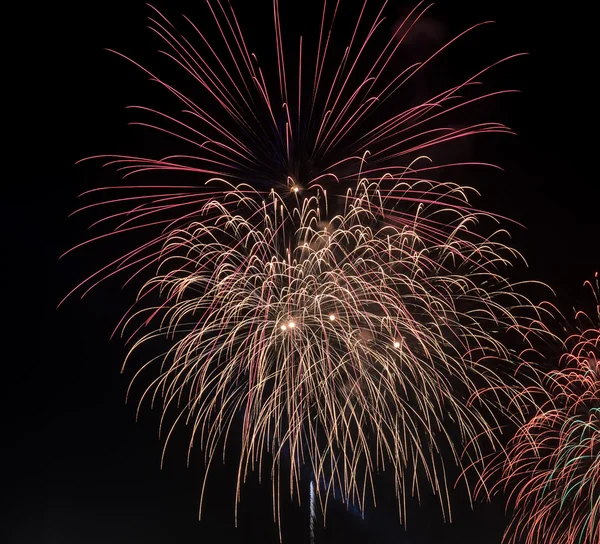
316 124
317 129
552 467
350 327
348 342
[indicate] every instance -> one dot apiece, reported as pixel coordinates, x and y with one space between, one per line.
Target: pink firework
320 126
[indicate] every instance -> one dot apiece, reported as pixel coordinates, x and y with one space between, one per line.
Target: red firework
552 466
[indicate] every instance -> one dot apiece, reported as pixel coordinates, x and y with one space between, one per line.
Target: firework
345 325
315 123
316 129
552 467
349 343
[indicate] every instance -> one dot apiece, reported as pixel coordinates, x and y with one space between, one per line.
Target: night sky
80 468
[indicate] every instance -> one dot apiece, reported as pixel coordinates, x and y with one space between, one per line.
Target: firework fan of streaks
352 342
316 138
316 124
553 463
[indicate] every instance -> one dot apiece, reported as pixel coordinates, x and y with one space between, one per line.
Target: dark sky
80 469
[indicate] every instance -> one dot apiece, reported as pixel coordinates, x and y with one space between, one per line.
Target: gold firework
351 341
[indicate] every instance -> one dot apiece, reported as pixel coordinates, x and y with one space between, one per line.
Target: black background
78 466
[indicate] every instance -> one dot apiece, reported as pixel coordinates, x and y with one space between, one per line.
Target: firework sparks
318 125
352 347
347 324
232 128
552 468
